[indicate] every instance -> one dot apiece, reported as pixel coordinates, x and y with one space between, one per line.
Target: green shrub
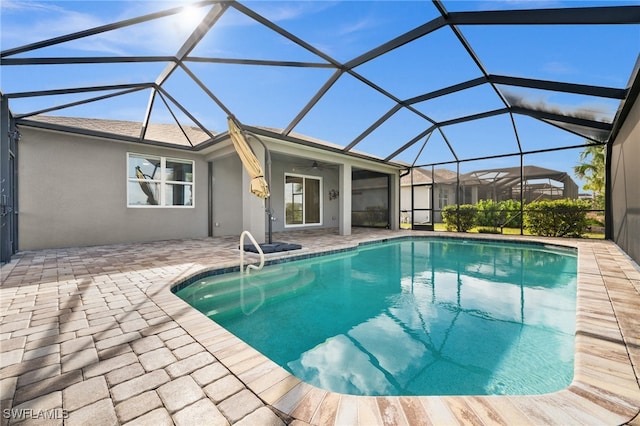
488 213
558 218
498 214
510 214
459 218
592 221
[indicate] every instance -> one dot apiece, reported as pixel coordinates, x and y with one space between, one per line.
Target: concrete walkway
94 336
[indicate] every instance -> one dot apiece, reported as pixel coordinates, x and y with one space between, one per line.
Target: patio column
253 214
345 199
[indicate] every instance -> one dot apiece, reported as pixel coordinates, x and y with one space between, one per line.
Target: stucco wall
625 175
329 207
72 192
227 195
422 200
228 192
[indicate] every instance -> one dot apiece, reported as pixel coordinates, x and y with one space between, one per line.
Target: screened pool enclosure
469 100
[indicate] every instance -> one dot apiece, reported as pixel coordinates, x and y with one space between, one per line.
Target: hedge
459 218
558 218
498 214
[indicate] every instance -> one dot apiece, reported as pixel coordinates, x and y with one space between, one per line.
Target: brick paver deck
94 336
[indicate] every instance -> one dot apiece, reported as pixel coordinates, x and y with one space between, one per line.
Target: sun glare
190 15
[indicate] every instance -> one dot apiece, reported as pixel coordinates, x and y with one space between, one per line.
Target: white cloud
558 68
356 26
9 6
517 4
28 22
279 12
45 21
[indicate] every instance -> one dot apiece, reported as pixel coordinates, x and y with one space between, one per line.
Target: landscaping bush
592 221
558 218
510 214
489 214
498 214
459 218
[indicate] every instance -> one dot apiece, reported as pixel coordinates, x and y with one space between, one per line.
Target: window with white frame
443 198
154 181
302 200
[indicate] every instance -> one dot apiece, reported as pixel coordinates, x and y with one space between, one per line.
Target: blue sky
273 96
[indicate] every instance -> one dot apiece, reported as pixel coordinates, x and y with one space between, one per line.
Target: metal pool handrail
260 252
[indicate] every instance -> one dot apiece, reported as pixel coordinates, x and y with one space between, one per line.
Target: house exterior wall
422 200
227 204
73 192
625 175
229 189
331 216
329 207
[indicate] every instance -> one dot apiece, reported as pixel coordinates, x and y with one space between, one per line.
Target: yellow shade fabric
259 184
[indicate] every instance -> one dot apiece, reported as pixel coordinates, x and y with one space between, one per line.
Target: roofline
202 145
259 131
97 134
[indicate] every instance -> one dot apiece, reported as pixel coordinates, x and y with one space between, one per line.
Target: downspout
433 197
400 195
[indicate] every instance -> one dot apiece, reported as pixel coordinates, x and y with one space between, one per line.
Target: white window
443 198
154 181
302 200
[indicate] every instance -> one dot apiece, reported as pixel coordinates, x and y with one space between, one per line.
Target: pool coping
604 389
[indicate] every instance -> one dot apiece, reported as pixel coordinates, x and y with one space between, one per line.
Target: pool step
218 286
231 295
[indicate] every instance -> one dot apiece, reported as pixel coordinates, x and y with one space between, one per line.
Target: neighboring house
430 188
81 184
492 184
504 184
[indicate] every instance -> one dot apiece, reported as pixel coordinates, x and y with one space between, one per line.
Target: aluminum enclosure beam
578 89
98 30
198 34
566 16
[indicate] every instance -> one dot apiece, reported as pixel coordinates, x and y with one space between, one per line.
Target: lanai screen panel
411 83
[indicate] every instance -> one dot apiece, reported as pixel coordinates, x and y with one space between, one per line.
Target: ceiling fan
313 166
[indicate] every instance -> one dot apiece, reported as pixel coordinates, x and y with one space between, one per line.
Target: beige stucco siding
227 195
625 176
73 192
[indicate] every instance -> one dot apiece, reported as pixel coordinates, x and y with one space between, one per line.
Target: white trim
162 182
320 196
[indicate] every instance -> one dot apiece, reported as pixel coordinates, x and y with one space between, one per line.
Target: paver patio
93 335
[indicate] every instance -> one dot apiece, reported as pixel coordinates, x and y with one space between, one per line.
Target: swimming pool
418 316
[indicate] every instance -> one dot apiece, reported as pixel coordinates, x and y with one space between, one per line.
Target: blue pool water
409 317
